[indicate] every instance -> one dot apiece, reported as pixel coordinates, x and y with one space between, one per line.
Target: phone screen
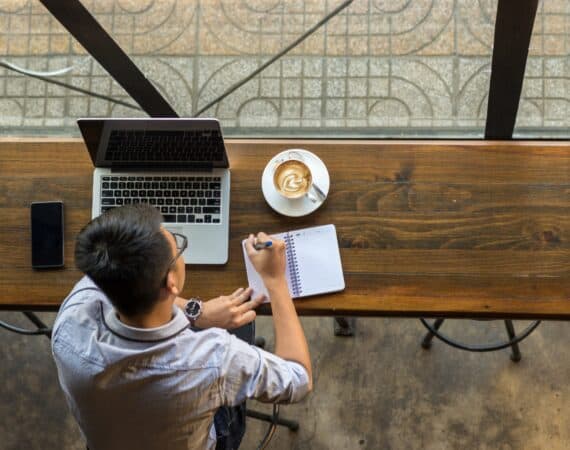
47 234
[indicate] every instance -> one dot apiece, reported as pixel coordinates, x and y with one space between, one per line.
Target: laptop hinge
205 167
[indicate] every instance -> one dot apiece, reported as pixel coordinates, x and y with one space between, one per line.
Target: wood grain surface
434 228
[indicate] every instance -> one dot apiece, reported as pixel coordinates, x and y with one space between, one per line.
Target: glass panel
379 68
35 42
544 109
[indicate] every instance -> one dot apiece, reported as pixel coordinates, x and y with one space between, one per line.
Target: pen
262 245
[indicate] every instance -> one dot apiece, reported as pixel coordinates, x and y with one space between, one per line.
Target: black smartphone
47 234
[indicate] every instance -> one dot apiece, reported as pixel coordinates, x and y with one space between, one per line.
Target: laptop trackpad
206 244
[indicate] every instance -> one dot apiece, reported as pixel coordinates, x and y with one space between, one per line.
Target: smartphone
47 234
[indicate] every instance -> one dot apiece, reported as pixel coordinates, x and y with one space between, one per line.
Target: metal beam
513 30
91 35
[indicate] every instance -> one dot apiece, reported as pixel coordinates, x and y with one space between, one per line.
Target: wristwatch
193 310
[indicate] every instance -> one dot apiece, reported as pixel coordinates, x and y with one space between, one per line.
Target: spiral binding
293 266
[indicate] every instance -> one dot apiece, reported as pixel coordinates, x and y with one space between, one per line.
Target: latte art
292 179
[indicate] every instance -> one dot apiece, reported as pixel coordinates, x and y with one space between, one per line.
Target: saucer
299 206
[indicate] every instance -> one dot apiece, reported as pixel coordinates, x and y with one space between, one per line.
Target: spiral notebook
313 263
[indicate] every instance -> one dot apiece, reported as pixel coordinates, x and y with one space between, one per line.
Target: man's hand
229 311
269 262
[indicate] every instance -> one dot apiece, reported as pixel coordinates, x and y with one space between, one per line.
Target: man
134 373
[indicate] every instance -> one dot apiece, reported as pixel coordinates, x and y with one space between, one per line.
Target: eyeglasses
181 245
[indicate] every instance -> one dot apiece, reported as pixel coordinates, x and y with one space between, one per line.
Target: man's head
131 258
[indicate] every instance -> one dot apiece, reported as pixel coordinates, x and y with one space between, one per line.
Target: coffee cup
293 179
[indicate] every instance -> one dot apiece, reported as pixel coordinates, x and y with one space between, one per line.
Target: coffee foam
292 178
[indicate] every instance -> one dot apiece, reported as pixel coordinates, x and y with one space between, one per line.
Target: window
376 68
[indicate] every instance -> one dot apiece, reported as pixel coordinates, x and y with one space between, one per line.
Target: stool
273 420
514 339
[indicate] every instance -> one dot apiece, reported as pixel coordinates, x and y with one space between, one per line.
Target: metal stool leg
291 424
273 420
516 353
426 342
512 342
37 322
344 326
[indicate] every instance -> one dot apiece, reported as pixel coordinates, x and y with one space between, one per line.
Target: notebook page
254 279
318 260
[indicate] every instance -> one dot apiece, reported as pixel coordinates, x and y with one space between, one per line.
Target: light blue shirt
157 388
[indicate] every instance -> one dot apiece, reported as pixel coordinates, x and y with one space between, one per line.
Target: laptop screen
147 143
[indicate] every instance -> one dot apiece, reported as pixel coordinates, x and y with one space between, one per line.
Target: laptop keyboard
162 146
180 199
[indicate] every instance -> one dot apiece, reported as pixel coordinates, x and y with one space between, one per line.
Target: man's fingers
242 296
236 293
249 243
252 304
261 236
259 299
247 317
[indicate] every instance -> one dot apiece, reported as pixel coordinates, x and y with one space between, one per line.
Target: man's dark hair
125 253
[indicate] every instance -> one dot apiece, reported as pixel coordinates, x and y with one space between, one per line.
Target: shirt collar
177 324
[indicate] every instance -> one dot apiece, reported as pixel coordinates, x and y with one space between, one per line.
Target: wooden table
426 228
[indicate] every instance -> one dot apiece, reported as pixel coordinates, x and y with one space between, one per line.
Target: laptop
179 166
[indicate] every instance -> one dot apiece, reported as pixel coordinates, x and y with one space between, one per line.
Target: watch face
193 308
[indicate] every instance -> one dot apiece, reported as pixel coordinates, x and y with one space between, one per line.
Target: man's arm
227 311
290 341
234 310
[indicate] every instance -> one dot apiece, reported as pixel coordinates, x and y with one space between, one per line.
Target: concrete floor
378 390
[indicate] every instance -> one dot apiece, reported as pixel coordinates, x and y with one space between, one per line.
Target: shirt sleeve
250 372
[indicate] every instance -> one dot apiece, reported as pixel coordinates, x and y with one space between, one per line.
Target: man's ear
172 283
